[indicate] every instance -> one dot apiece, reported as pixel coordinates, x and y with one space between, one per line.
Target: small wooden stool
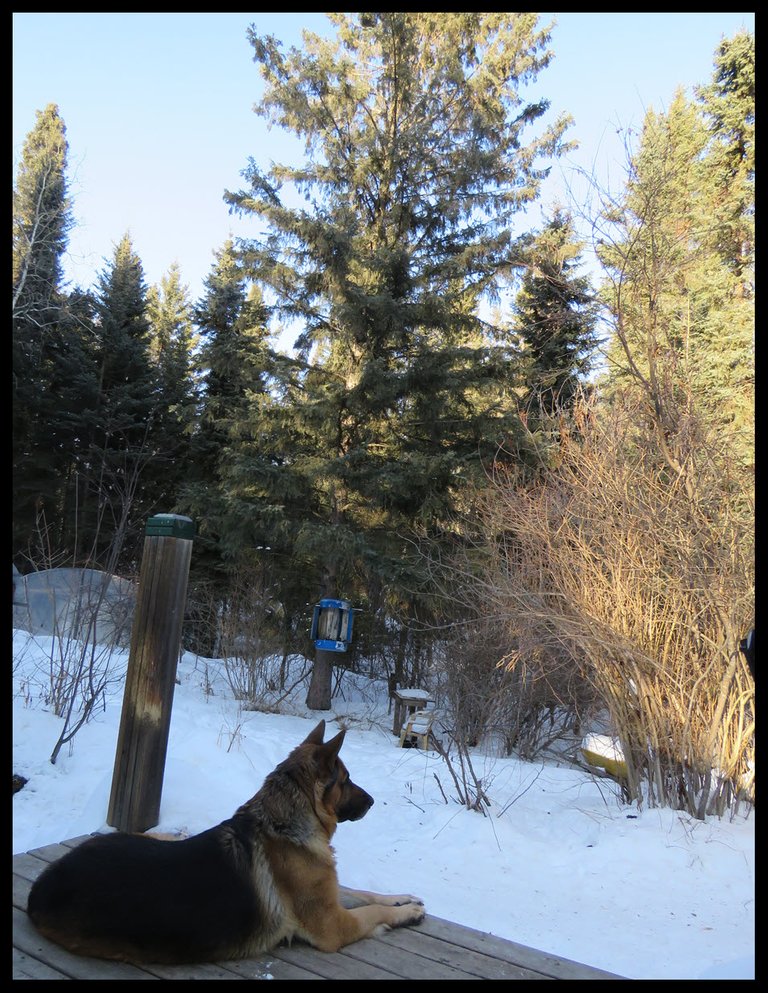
407 701
418 726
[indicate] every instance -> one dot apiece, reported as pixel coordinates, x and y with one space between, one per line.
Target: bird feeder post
331 633
137 780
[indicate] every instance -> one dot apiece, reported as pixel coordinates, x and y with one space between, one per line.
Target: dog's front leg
346 926
361 898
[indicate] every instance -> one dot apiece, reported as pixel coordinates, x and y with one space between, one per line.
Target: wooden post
137 780
319 692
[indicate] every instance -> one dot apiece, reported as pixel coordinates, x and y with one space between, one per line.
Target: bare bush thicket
80 663
644 579
522 708
250 642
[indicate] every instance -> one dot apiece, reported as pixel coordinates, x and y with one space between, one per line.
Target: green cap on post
170 526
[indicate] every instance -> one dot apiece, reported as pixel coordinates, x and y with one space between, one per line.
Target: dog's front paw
403 899
410 913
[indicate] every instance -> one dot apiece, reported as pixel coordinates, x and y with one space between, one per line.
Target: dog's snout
355 804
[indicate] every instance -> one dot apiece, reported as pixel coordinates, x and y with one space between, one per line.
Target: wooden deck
435 949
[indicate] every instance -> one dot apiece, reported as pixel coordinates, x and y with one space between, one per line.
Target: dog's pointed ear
332 747
315 737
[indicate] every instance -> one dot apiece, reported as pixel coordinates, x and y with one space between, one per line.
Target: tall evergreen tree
728 104
42 219
123 430
172 338
414 127
556 317
41 222
230 366
71 401
723 355
685 328
171 344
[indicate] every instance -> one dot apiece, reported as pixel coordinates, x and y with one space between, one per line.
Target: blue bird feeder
332 625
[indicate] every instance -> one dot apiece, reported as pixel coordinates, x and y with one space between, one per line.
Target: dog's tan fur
266 875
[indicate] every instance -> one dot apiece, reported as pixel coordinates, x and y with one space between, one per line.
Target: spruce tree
171 344
684 326
123 431
728 105
414 125
556 316
72 398
724 359
41 222
230 369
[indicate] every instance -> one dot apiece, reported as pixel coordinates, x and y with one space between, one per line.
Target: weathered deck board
435 949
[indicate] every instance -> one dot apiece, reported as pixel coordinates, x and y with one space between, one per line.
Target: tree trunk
319 695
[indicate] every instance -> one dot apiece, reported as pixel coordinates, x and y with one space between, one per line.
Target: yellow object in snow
604 753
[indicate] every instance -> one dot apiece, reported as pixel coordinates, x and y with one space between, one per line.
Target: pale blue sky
158 110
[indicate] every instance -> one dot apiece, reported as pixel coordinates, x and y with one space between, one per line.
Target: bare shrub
502 682
509 699
81 661
80 674
644 578
470 788
249 641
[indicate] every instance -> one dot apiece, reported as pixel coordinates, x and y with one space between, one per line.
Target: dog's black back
167 901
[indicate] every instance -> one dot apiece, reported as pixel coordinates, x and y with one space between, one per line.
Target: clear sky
158 111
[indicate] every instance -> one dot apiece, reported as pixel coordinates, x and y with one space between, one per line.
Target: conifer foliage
556 317
121 435
230 368
678 253
42 219
172 341
415 128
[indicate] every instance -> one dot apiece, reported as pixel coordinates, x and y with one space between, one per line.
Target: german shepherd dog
266 875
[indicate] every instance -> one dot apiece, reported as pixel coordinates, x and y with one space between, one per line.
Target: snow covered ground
558 864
